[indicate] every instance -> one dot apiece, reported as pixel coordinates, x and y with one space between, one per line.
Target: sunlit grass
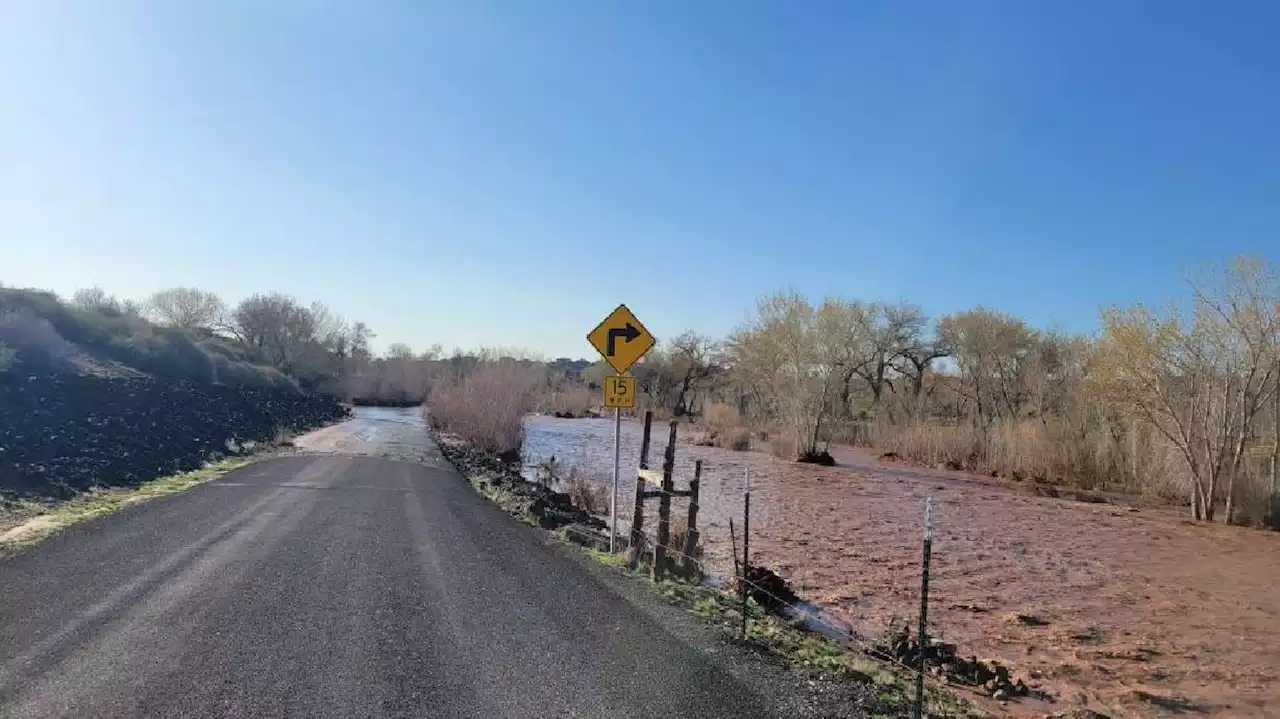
40 520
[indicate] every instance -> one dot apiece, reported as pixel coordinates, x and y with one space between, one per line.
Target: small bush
488 406
736 438
165 352
721 416
244 374
34 341
703 439
590 495
721 426
569 401
784 446
587 494
679 534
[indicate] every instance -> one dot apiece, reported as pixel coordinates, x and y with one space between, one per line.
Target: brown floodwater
1131 608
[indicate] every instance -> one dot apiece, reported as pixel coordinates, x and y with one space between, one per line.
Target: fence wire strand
843 633
838 631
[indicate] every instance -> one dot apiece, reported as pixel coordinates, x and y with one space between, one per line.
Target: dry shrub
587 494
721 416
488 406
736 438
678 533
721 426
703 438
932 444
573 401
783 446
590 495
1031 449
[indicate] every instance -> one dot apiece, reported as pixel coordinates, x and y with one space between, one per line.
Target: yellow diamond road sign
621 339
620 391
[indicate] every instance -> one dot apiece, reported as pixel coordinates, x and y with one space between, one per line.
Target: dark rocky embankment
63 433
548 508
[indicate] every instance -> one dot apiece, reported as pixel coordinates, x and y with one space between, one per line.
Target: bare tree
1273 500
991 350
1199 378
1245 300
276 329
187 308
884 333
399 351
920 349
794 354
693 361
97 299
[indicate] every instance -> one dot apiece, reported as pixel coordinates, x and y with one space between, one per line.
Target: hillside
39 333
102 397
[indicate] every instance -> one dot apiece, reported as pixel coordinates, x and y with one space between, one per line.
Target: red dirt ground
1142 612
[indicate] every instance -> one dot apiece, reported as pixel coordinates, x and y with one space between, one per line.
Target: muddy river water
1109 603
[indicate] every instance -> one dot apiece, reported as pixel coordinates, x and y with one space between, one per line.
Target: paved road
333 586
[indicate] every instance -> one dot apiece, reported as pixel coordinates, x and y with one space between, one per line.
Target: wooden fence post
691 533
637 517
664 506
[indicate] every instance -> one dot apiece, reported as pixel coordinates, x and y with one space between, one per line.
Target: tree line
266 339
1180 399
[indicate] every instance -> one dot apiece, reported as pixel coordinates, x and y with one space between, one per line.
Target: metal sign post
622 340
613 503
619 392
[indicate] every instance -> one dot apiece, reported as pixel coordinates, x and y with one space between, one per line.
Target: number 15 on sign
620 391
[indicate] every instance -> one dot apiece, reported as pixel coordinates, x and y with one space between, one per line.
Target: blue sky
505 173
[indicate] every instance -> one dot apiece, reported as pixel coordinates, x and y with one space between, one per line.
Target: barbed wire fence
665 555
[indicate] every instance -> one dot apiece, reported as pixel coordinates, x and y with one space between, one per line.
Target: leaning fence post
924 606
637 516
691 533
746 544
664 505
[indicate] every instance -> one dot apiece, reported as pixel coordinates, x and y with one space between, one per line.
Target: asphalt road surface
333 586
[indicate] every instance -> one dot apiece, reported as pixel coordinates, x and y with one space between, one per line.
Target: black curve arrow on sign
627 333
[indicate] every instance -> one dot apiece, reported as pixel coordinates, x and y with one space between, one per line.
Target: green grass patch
509 501
605 558
40 520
